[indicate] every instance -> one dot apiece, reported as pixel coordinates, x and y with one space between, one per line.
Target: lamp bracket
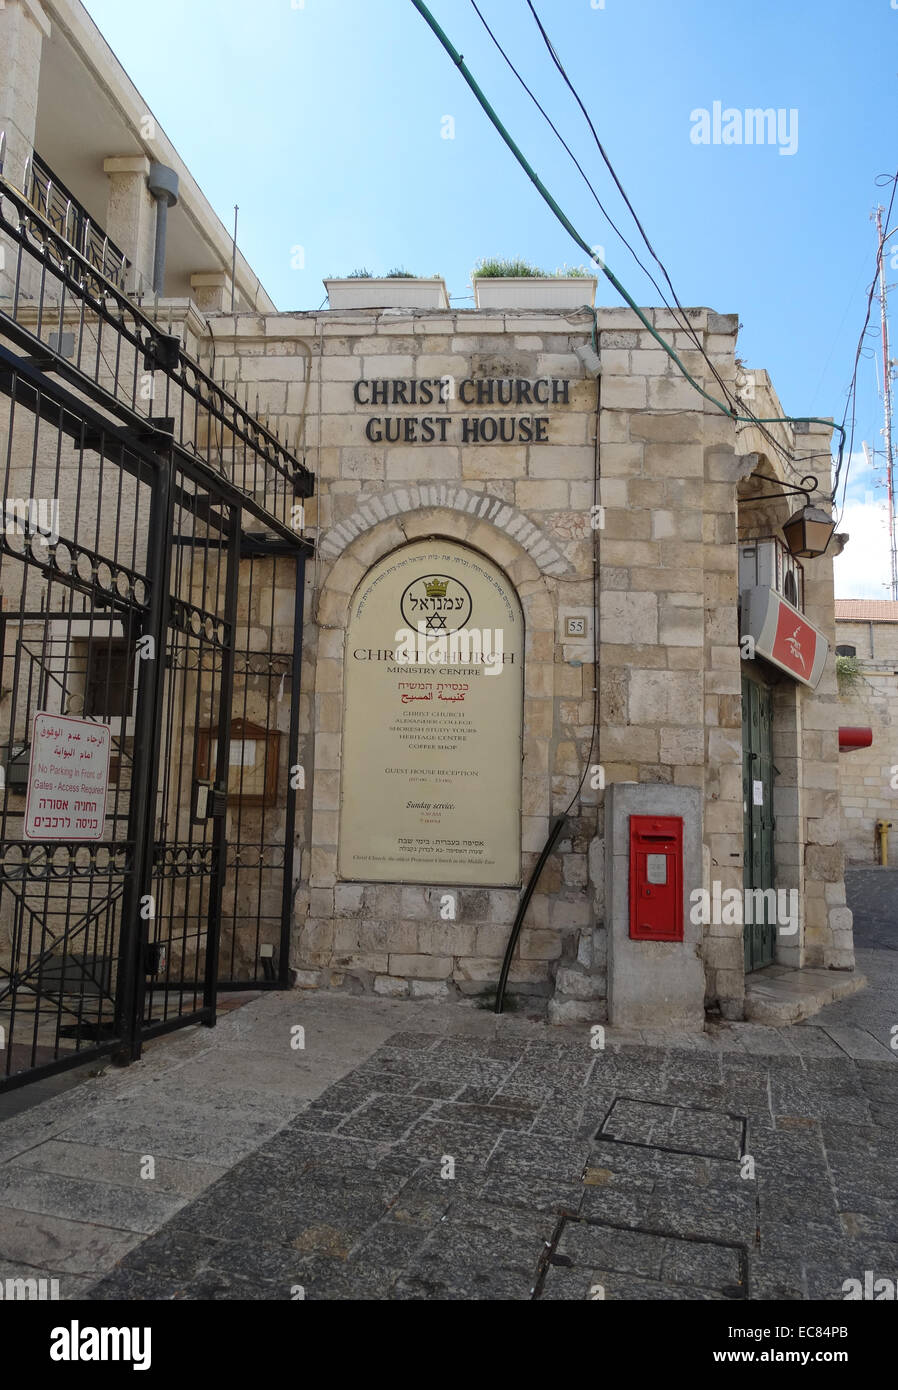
806 488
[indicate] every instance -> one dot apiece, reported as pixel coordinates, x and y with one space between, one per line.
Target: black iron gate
149 518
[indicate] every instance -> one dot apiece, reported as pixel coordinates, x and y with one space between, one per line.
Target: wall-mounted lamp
808 531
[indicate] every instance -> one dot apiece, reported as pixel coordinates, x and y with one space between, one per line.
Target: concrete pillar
131 216
23 28
652 984
211 291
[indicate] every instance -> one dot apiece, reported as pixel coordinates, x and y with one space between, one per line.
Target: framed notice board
252 766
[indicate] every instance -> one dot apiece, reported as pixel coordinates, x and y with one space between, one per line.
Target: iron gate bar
80 1058
72 414
292 755
36 965
145 772
219 869
260 852
191 862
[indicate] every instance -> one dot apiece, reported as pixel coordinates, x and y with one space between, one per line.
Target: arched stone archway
386 932
333 609
462 502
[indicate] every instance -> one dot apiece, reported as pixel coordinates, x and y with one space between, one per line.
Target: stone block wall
867 776
668 627
669 688
807 853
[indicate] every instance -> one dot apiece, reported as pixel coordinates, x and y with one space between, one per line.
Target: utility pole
887 405
234 259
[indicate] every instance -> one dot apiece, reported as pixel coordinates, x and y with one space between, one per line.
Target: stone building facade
676 482
619 514
867 629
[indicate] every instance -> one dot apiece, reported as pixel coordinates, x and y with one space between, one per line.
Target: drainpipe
163 185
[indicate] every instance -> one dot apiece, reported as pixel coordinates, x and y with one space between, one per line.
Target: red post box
656 878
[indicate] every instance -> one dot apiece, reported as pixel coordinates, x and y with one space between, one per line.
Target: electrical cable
851 401
685 326
541 188
604 211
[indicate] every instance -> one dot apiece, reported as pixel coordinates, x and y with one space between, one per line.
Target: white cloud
863 569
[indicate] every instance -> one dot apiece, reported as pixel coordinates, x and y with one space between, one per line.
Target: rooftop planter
397 291
517 285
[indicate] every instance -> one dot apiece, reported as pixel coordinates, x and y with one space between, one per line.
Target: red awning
854 738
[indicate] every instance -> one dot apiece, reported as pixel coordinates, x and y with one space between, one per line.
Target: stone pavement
417 1150
517 1167
873 897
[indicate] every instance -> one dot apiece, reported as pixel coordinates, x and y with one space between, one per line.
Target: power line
851 394
565 221
733 399
887 405
604 211
685 325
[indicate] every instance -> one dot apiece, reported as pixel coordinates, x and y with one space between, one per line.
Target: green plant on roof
360 275
848 674
400 274
574 272
497 268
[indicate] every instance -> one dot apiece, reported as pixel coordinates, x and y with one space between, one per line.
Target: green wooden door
757 803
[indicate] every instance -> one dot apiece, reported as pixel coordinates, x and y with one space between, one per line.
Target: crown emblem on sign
436 588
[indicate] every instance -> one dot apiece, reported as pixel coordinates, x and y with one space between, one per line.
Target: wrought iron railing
78 322
47 194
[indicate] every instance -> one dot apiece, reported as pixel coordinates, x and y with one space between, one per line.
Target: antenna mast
887 406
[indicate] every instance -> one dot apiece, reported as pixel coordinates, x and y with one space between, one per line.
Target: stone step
576 1011
577 984
777 995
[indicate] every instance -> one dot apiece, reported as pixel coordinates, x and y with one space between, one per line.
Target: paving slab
777 995
412 1150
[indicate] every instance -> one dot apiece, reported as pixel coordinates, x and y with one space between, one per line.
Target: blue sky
325 123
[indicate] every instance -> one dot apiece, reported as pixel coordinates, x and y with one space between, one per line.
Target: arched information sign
432 722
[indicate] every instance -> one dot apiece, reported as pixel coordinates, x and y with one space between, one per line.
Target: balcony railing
49 196
75 322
